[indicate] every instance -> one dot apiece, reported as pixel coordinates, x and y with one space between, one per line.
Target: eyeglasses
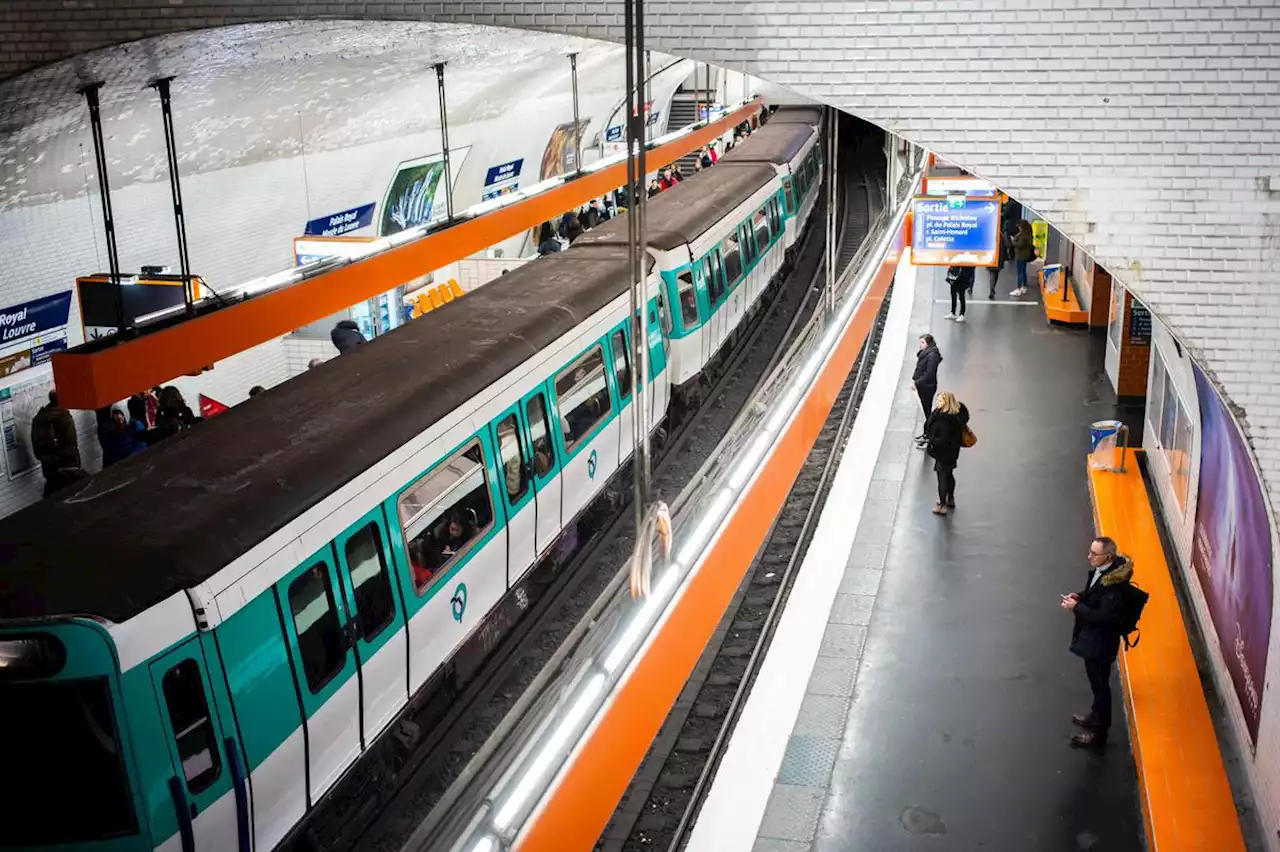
1094 553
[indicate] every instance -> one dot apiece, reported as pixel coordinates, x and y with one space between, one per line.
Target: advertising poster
18 406
560 158
1231 551
416 195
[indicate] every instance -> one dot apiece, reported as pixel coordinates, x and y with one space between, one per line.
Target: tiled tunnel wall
1147 130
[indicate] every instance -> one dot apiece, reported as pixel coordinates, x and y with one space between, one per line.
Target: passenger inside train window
582 390
543 453
510 450
444 513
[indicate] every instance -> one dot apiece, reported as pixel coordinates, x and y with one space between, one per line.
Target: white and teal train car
199 644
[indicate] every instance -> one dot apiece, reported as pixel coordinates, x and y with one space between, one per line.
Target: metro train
199 642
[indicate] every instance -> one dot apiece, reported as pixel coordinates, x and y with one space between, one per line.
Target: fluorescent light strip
642 618
745 466
485 844
551 749
705 528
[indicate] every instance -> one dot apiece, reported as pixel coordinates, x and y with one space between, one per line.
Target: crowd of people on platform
152 417
557 235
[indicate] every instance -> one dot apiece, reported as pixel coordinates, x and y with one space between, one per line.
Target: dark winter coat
590 218
1024 246
1096 635
960 278
943 432
53 438
346 336
926 373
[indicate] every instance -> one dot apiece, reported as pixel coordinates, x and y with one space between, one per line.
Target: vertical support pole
90 92
577 126
637 60
161 86
444 141
646 69
830 169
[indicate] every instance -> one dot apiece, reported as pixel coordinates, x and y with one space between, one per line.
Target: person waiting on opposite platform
960 280
924 381
1095 636
944 431
1024 251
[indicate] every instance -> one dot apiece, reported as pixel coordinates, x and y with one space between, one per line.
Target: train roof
797 115
774 143
169 518
687 210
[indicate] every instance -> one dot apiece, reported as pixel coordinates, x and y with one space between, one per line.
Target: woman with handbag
947 430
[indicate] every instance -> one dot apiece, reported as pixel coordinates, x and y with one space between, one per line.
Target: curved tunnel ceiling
1150 135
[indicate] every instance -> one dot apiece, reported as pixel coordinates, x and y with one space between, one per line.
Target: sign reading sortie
955 231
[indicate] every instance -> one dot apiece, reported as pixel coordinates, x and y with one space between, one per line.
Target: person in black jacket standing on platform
1096 635
943 431
924 381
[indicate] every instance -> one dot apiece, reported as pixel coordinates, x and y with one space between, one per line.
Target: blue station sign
34 319
341 223
955 231
502 179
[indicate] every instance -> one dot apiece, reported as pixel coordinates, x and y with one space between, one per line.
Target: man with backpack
53 441
1105 612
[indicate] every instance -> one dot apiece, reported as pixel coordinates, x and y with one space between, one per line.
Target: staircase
683 112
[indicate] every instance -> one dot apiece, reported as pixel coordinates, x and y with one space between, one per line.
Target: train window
367 567
622 364
315 619
664 314
775 221
444 514
66 781
761 223
732 254
188 708
511 451
688 299
748 244
544 455
583 394
715 283
791 196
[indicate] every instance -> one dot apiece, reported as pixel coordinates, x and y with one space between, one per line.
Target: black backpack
1134 599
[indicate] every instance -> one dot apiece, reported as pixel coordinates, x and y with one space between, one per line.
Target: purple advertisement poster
1231 551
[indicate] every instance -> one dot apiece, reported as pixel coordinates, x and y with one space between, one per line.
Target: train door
621 358
201 785
715 300
320 638
585 409
546 469
657 399
516 466
377 625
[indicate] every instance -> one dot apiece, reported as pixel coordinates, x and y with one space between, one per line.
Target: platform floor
938 710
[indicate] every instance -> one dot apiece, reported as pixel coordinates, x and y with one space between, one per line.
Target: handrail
547 730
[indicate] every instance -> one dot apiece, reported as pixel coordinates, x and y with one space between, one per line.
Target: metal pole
90 92
444 141
175 187
645 69
831 210
637 122
577 127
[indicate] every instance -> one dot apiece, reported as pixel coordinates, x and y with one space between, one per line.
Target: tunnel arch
1150 136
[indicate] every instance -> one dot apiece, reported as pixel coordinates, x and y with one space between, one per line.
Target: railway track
659 807
450 722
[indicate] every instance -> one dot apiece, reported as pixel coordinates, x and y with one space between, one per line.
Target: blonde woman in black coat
944 430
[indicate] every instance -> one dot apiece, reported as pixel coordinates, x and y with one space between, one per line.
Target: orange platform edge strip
1186 798
88 380
1066 311
576 813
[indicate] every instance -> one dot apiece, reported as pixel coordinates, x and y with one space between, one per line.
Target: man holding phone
1098 611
